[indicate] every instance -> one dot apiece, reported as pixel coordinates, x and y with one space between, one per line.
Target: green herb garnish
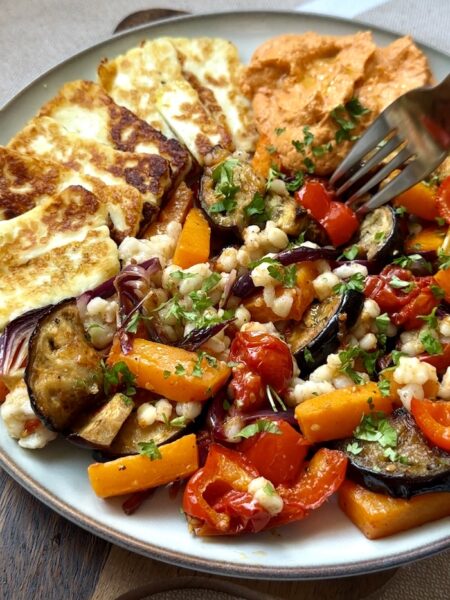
118 375
260 426
150 450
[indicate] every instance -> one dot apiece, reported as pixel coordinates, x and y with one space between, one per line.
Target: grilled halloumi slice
29 181
152 76
181 107
213 68
130 173
132 79
84 108
56 250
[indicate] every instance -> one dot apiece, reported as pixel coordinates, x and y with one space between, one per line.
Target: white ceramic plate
324 545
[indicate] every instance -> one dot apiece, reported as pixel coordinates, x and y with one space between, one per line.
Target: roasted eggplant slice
64 374
282 210
423 468
98 430
131 435
318 334
226 192
379 235
313 230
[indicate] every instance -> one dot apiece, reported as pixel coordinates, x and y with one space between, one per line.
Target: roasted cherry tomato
338 220
433 418
247 389
403 305
443 200
265 355
278 458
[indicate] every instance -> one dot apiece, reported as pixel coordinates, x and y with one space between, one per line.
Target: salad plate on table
326 543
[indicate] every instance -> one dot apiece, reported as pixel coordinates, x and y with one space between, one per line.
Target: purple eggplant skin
321 329
63 375
427 468
379 236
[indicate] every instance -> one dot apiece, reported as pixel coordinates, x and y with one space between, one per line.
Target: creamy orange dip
296 81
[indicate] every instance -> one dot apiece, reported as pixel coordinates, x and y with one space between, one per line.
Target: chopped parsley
346 117
385 387
431 320
134 321
118 375
260 426
355 282
256 211
444 260
350 253
400 210
347 358
309 165
280 130
354 448
440 221
178 422
430 342
401 284
295 183
150 450
197 370
396 356
437 292
376 428
224 188
166 374
287 276
180 369
271 149
181 275
308 356
379 236
406 262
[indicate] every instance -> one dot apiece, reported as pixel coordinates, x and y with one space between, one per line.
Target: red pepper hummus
298 81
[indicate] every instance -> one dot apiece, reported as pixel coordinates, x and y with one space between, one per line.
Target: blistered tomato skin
265 355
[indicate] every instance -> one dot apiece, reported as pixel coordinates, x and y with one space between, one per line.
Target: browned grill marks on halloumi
28 181
80 103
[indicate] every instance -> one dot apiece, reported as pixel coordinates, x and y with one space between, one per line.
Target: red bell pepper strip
278 458
338 220
433 418
403 307
217 502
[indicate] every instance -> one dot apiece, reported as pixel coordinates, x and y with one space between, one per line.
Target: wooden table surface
45 557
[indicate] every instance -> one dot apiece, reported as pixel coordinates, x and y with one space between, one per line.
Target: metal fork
417 126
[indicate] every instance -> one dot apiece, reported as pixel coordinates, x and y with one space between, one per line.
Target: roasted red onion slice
14 340
133 285
193 340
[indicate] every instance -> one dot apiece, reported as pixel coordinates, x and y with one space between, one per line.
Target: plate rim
213 566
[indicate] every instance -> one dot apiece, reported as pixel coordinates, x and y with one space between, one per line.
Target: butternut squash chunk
193 245
335 415
155 367
429 239
135 473
420 200
378 516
